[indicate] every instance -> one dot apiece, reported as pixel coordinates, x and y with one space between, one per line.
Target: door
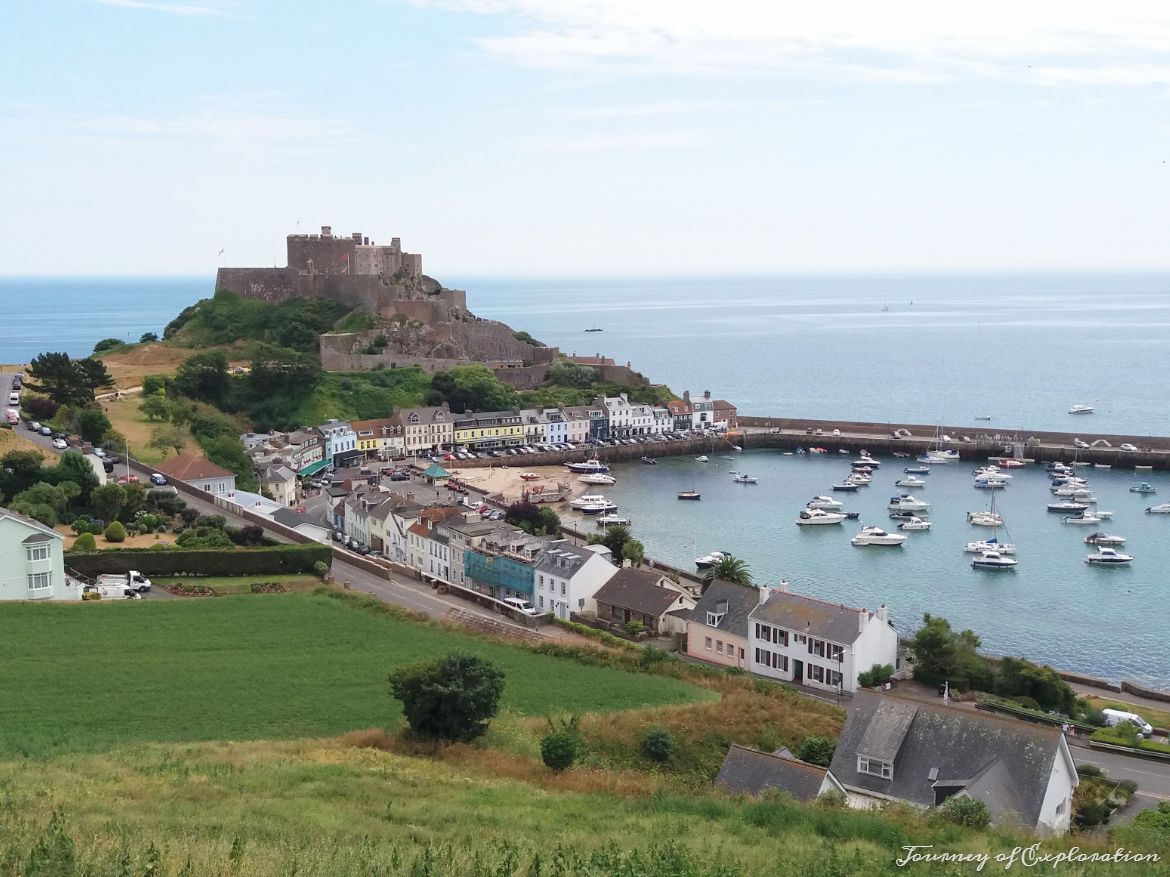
798 672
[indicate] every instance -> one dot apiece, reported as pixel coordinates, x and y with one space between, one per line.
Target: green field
252 667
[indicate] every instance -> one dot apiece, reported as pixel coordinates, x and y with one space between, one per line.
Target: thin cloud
680 108
227 127
186 9
595 142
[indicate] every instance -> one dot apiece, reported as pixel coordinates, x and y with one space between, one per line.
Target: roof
29 522
436 471
379 427
313 468
293 518
637 589
734 602
834 622
278 473
591 360
187 467
677 406
435 413
748 772
564 559
1003 762
723 403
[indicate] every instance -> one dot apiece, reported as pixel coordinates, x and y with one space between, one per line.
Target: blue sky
587 136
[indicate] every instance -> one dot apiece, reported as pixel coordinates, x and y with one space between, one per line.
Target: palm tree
728 569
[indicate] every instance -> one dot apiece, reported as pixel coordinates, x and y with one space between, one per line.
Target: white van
1116 717
116 592
14 398
523 605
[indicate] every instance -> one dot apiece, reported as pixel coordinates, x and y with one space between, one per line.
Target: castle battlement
355 255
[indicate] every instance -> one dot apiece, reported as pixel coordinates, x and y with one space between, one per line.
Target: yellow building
489 430
381 438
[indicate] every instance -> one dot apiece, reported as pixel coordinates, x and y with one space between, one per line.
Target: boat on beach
529 476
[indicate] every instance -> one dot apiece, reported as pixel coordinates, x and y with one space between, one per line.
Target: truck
114 592
133 579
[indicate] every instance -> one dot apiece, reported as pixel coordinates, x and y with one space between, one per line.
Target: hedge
995 705
1111 736
202 561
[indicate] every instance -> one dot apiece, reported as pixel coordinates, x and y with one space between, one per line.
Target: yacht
1067 505
993 560
824 502
611 520
862 469
940 456
597 478
904 502
877 536
984 519
990 483
586 499
991 544
910 481
851 486
590 465
860 478
702 458
1074 490
1085 517
709 560
1010 463
917 470
692 495
1082 409
914 523
1105 556
819 516
649 461
1163 509
1100 538
992 472
602 506
866 460
1144 487
744 478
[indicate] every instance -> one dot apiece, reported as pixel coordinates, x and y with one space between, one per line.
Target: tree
147 338
165 438
39 408
203 376
565 374
727 569
658 744
634 551
965 810
45 502
156 407
615 538
817 750
74 468
94 376
452 698
58 377
108 344
278 371
84 542
204 537
115 532
539 520
108 501
20 470
471 388
92 423
134 502
152 384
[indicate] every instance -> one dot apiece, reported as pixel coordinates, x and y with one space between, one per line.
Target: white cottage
201 473
32 561
568 576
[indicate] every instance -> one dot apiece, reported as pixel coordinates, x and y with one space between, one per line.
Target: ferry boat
1108 557
993 560
591 465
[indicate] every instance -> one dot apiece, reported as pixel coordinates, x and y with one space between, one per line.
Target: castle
353 255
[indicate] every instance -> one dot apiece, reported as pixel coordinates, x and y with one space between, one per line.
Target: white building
567 576
281 484
628 418
427 429
661 420
535 426
200 473
32 561
702 409
340 440
816 643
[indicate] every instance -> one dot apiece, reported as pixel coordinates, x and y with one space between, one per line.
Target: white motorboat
910 481
917 470
1011 463
819 516
914 523
1073 490
824 502
597 508
904 502
861 479
994 560
866 460
1105 556
587 499
1163 509
1081 409
946 455
1093 510
611 520
991 469
991 544
1067 505
990 483
702 458
1100 538
861 469
709 560
1102 465
744 478
1144 487
590 465
597 478
877 536
1084 517
984 519
847 486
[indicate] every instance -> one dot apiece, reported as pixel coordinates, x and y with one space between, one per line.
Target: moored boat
809 517
914 523
1100 538
1163 509
877 536
690 494
1067 505
1081 409
702 458
649 461
1106 556
1144 487
984 519
709 560
910 481
596 478
611 520
917 470
1085 517
824 502
850 486
744 478
994 560
591 465
991 544
904 502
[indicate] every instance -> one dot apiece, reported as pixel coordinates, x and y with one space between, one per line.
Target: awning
312 469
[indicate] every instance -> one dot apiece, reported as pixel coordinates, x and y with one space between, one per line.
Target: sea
1019 349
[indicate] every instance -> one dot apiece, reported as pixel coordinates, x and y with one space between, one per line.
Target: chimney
861 620
326 231
784 585
627 563
883 613
706 394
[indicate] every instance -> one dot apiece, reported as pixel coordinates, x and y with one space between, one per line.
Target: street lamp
840 678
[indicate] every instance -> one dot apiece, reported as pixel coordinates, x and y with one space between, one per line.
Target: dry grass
130 367
128 420
144 540
12 440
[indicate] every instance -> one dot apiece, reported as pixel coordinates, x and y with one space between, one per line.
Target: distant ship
594 329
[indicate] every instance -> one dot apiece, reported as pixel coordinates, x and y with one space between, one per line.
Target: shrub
1128 787
85 524
452 698
85 542
635 627
817 750
560 749
321 569
1027 702
878 674
1093 716
658 745
115 532
40 409
1089 770
833 799
965 810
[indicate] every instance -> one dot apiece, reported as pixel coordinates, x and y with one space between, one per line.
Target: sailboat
994 520
691 494
936 453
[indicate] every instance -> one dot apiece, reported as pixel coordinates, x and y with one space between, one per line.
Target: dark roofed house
748 772
648 597
717 630
896 749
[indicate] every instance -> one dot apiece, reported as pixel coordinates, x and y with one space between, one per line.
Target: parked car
1127 447
523 605
34 425
158 478
338 536
100 453
60 444
1079 443
44 430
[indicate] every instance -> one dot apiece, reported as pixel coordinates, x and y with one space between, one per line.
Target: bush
273 559
115 532
321 569
40 409
1128 787
965 810
559 750
1027 702
85 542
452 698
86 524
1089 770
833 799
1093 716
878 674
658 745
635 627
817 750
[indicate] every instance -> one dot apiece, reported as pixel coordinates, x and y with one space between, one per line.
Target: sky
587 137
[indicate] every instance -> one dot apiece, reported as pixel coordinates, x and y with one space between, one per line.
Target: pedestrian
1064 728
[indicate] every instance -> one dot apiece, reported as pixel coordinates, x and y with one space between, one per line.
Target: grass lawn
224 585
128 420
1159 718
271 666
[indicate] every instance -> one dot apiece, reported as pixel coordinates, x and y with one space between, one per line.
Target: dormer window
414 418
875 767
713 619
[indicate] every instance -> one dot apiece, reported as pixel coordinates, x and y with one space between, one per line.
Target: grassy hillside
363 396
273 666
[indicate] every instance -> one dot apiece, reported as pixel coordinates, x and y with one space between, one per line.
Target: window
713 619
719 647
1060 808
542 582
837 653
40 581
707 643
874 767
741 654
562 589
542 602
37 551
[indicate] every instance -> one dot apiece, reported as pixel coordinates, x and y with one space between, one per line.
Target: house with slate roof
718 627
645 596
568 576
813 642
32 561
280 483
748 772
895 749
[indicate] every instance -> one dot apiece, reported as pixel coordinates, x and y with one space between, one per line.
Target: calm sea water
933 349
